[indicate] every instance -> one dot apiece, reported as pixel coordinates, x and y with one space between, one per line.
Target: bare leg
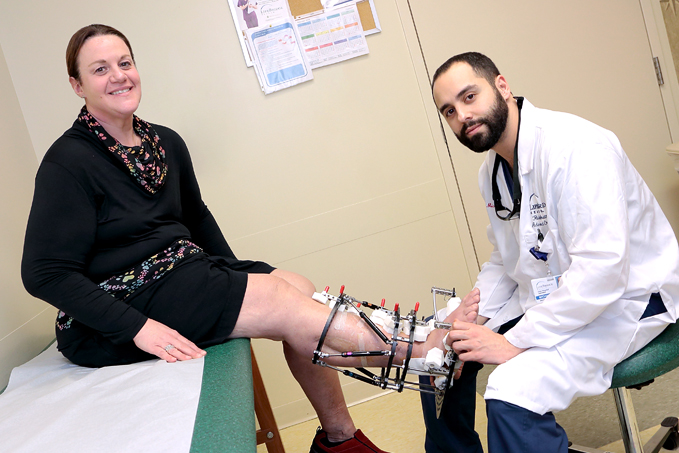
300 282
322 388
321 385
275 309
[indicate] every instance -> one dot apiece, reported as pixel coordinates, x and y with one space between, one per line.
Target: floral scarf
146 164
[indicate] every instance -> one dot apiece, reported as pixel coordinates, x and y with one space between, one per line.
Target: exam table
200 405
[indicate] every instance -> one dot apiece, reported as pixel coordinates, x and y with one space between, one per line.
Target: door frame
660 48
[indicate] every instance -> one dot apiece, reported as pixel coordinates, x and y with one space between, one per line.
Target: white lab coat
603 232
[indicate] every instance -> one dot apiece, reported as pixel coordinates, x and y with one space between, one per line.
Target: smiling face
109 81
474 109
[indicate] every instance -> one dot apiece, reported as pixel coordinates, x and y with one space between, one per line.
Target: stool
655 359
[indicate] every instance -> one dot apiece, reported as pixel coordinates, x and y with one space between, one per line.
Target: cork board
303 7
366 14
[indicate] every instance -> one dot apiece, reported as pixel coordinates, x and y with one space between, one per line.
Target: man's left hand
480 344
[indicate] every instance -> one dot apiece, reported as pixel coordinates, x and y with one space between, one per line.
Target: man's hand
159 340
480 344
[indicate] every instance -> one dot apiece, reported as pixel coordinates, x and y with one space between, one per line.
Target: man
583 258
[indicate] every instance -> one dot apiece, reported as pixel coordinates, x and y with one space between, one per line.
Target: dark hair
78 40
481 64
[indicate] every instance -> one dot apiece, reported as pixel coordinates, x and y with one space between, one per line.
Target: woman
249 13
120 241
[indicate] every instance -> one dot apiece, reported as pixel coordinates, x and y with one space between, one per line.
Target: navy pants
454 430
511 429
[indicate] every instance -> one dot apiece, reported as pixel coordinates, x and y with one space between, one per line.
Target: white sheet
51 405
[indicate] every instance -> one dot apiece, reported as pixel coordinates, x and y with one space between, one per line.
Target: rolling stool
639 370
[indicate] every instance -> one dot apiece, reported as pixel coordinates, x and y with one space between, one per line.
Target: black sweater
90 220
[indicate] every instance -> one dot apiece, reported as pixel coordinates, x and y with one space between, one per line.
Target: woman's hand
159 340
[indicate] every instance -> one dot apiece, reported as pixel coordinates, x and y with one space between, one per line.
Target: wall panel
26 324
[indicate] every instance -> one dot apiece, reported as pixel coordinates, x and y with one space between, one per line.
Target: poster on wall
249 14
277 55
332 35
284 48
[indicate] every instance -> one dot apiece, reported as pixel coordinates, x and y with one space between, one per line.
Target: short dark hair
481 64
78 40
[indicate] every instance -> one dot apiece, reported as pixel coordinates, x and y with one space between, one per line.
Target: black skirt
200 298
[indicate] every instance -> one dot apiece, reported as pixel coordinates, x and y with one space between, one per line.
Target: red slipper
357 444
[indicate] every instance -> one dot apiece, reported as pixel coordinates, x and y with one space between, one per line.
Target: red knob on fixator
342 290
396 307
382 304
417 306
327 288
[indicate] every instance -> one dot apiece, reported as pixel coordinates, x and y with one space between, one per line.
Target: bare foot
468 309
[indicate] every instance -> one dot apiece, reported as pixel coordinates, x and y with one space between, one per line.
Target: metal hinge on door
658 71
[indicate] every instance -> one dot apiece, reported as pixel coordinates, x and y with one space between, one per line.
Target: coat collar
527 137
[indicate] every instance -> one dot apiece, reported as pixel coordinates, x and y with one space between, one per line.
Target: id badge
543 287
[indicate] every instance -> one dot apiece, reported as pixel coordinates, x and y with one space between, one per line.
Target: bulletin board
286 39
365 8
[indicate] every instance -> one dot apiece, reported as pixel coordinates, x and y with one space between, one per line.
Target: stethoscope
516 192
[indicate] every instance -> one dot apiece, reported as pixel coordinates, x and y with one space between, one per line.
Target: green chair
655 359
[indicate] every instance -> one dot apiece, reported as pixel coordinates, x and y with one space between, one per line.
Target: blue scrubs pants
511 429
454 430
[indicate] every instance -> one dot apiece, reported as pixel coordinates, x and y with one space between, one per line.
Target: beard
496 120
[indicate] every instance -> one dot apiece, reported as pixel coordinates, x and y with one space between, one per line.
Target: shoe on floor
357 444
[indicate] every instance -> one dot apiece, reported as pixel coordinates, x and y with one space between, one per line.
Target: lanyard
538 255
516 195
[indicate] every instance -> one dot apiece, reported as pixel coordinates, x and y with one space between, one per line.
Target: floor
402 432
589 421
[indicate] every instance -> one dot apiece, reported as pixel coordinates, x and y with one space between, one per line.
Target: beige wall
346 179
25 323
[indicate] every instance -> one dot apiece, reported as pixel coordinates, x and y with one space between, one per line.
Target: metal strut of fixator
388 326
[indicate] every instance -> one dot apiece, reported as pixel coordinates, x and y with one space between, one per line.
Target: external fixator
393 328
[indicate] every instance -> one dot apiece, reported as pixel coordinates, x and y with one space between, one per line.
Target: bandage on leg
393 328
